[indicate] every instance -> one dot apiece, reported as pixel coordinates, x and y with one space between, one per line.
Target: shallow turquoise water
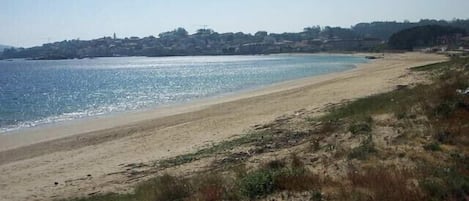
41 92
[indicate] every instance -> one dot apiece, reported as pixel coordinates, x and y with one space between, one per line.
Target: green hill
424 36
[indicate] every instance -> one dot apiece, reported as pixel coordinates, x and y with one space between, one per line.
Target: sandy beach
87 156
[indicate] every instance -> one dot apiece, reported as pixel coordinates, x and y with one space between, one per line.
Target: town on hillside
374 37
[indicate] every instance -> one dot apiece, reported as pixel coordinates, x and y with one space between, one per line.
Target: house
464 44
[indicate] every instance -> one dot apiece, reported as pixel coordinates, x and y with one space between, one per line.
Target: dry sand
87 156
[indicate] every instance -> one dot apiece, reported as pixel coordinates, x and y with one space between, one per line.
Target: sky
26 23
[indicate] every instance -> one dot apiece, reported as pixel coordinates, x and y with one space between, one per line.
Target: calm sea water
41 92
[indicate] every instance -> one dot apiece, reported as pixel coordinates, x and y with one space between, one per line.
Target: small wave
134 105
61 118
45 121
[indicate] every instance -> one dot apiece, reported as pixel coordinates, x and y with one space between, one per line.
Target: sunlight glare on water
40 92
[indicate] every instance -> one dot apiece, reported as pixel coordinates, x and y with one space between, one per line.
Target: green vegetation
259 137
443 101
107 197
272 177
360 128
447 113
384 30
423 36
445 184
361 109
275 176
433 67
258 183
432 147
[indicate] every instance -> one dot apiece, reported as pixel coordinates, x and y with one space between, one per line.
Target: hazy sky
33 22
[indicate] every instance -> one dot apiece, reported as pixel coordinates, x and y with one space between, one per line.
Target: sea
41 92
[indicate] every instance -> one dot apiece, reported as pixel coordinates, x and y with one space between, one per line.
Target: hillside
178 42
2 47
407 144
425 36
384 30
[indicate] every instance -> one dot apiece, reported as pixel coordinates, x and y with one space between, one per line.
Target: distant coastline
363 37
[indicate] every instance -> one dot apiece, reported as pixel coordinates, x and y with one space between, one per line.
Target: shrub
432 147
296 162
296 180
445 109
275 165
209 187
360 128
316 196
163 188
276 176
386 184
257 183
434 187
105 197
446 183
362 152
